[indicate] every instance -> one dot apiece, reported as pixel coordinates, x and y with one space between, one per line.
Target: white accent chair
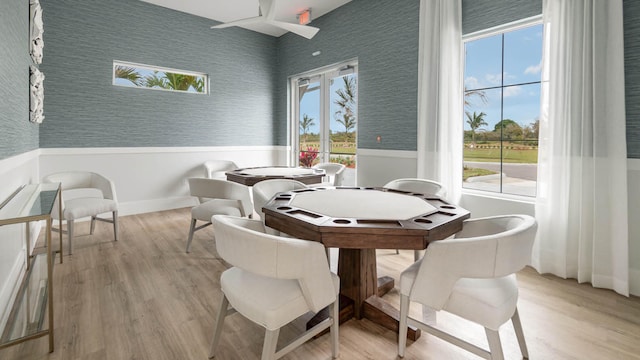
334 173
273 281
217 197
473 277
85 194
264 190
421 186
216 169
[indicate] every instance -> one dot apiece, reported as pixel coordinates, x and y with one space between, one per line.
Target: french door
324 113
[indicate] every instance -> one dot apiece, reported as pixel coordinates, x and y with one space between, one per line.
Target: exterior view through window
325 114
157 78
502 75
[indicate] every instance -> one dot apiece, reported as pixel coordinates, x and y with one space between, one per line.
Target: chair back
422 186
333 171
490 247
77 184
216 169
221 189
263 191
242 243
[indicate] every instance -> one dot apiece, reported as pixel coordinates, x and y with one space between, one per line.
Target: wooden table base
374 308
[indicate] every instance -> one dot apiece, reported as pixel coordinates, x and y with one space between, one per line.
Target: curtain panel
581 205
440 94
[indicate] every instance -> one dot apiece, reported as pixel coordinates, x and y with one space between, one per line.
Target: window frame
485 33
117 63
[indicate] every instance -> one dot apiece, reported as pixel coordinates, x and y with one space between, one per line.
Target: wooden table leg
361 292
381 312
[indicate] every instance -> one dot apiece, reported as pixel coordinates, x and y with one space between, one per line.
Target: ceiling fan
267 16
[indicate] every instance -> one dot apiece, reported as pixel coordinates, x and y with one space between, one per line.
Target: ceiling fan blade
247 21
302 30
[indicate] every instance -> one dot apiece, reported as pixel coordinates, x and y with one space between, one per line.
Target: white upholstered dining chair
473 277
217 197
273 281
216 169
334 173
85 194
264 190
421 186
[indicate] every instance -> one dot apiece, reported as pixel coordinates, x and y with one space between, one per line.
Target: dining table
252 175
359 220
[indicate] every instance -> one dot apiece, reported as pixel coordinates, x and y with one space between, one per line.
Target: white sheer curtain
440 94
582 175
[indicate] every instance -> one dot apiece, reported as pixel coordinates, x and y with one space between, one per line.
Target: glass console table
26 320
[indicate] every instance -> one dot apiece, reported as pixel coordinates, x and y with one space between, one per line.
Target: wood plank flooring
143 297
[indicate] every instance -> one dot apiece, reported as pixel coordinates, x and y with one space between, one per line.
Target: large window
158 78
502 73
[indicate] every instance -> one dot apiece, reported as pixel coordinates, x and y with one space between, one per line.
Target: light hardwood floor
143 297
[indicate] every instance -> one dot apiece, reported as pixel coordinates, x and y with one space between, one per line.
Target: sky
310 105
522 64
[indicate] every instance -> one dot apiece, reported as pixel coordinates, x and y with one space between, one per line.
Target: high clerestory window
159 78
502 73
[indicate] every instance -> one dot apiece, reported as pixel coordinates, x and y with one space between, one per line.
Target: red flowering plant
307 157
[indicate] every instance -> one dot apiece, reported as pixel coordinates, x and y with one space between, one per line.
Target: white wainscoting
154 179
633 183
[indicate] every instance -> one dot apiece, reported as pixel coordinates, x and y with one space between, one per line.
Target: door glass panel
343 121
309 115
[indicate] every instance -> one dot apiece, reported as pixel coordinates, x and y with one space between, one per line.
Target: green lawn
509 155
471 172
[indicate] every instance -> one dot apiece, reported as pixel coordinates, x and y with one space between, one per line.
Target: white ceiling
230 10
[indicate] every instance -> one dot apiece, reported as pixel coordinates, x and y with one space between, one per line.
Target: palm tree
469 94
475 121
127 73
154 80
305 124
346 114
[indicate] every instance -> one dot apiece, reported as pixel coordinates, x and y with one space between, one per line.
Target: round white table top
350 203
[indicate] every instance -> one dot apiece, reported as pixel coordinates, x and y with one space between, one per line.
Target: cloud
493 79
471 83
534 69
512 91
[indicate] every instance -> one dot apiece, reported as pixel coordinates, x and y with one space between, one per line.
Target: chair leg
416 255
270 344
335 311
70 231
115 225
397 251
93 225
191 230
493 337
222 313
517 326
402 331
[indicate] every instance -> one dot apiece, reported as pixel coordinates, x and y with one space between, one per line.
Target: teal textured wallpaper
17 134
383 36
248 71
84 109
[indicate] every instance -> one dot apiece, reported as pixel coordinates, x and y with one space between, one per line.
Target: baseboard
146 206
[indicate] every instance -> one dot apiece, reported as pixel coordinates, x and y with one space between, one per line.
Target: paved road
519 171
